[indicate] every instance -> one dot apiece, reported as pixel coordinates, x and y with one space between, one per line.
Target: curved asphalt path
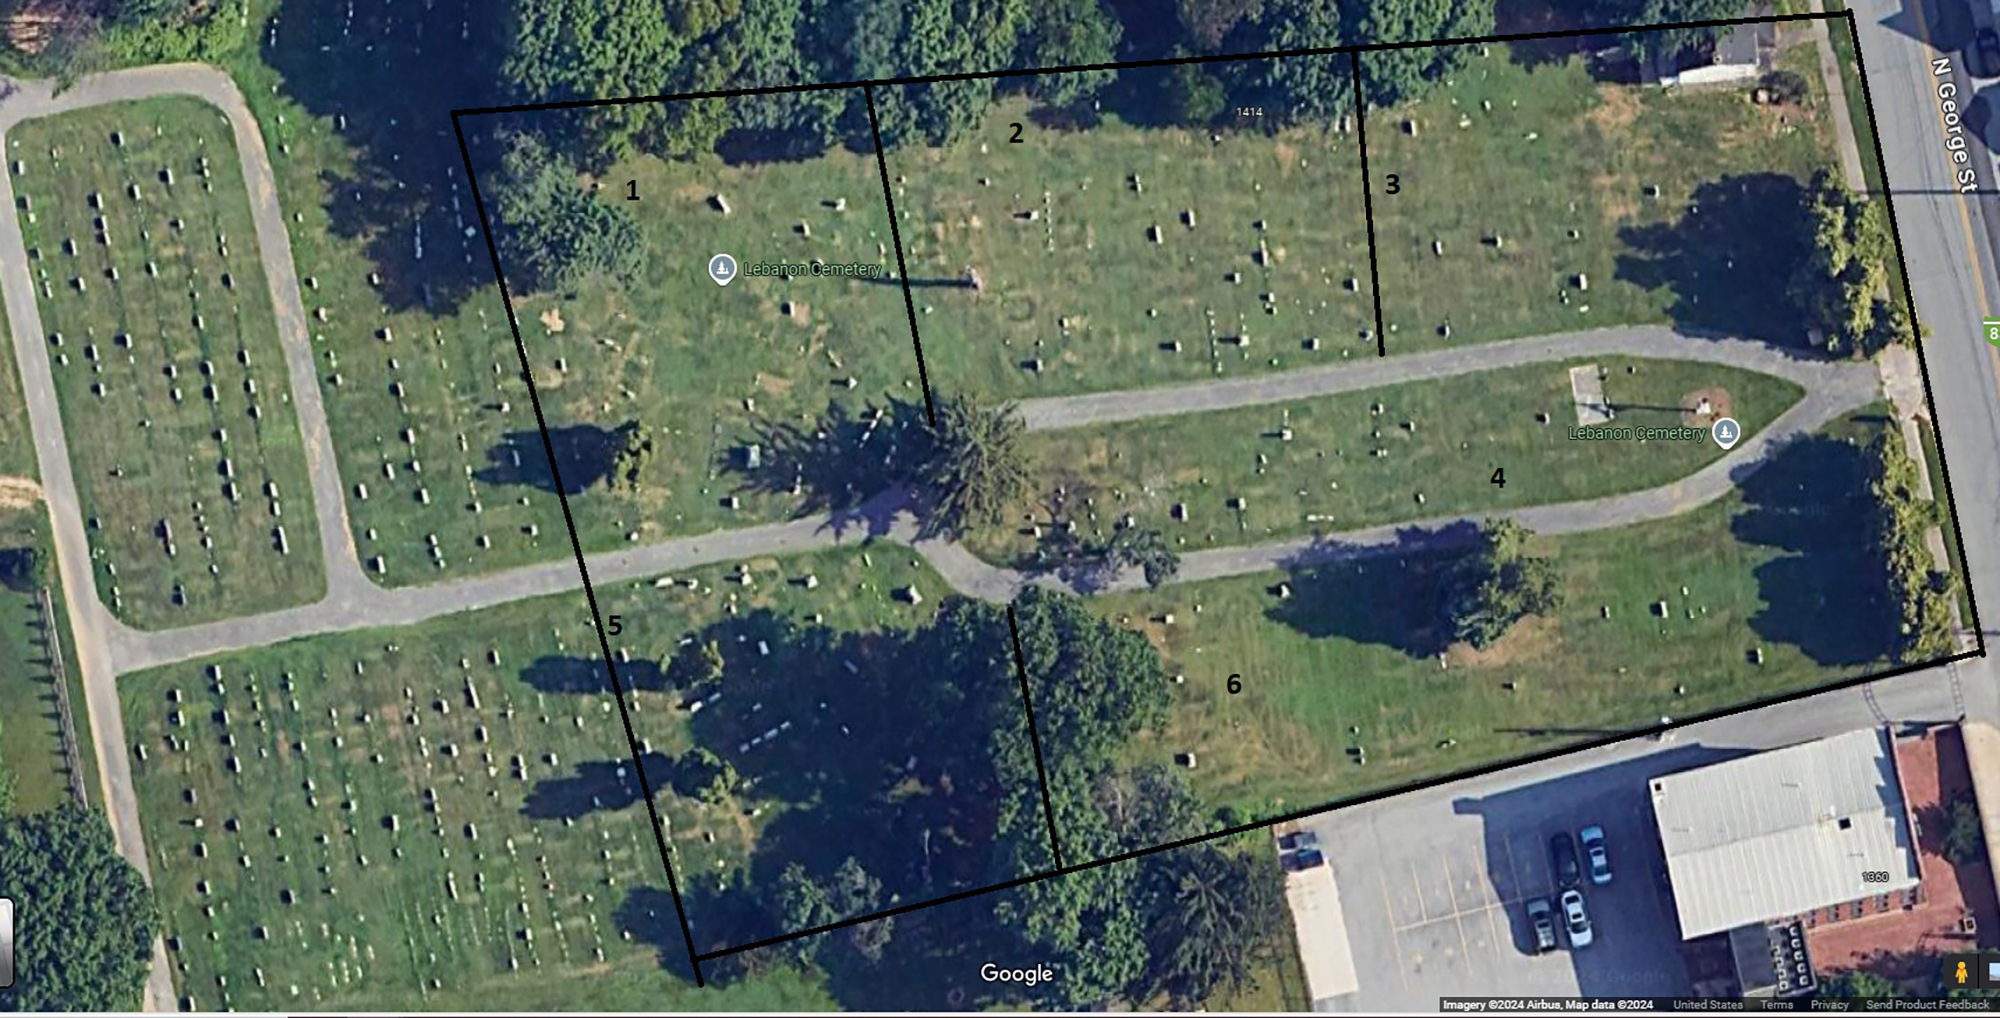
1832 388
105 646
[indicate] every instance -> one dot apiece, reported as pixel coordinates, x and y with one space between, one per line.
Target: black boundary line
1910 305
1359 800
576 546
1368 206
896 235
1119 65
1034 736
1457 776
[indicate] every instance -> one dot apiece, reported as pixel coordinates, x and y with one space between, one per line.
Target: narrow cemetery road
1832 389
92 624
1655 341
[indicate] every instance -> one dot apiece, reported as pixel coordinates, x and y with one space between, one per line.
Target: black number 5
1016 139
614 624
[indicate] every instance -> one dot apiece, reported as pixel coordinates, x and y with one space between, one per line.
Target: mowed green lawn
17 443
1531 180
1347 661
30 725
1306 466
1099 250
175 397
336 735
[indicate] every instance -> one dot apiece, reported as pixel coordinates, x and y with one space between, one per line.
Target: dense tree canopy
1840 288
94 953
1922 594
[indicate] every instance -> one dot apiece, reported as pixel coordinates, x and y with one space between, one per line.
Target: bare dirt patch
19 493
1715 399
552 320
1532 639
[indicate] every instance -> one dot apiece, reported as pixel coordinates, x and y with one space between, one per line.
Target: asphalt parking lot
1435 890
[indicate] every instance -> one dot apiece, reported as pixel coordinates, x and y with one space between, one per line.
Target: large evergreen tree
976 466
553 234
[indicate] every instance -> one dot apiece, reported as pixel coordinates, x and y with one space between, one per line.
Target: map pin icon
722 269
1725 431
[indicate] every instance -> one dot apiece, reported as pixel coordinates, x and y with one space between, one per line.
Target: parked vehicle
1576 920
1562 857
1542 924
1984 60
1598 855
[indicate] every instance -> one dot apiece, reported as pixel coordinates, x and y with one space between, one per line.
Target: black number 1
631 190
1016 139
1499 477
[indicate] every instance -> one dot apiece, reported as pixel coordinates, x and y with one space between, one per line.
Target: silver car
1576 920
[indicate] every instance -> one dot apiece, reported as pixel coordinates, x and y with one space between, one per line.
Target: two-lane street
1948 243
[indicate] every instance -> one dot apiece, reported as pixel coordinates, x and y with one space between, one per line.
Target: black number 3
1395 185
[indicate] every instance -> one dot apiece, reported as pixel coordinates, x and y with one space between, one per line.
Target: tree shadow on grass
584 456
1384 594
551 673
362 67
1829 595
1727 259
839 462
593 786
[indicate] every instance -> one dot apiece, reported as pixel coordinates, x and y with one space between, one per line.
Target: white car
1576 920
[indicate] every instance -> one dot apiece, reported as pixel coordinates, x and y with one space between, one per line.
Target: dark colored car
1985 57
1542 924
1562 857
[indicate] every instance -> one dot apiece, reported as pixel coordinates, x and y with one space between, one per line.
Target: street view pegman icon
722 269
1725 431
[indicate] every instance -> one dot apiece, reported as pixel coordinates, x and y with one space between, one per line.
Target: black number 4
614 624
1016 139
1499 477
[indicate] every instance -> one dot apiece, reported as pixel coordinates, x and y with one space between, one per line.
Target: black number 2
1499 477
631 190
1016 139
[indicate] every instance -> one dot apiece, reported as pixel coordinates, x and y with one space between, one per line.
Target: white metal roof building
1783 833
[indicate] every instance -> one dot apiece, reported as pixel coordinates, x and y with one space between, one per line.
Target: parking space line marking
1395 932
1464 945
1423 907
1491 900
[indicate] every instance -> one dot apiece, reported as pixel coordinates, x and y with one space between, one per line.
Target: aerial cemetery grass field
1117 255
1415 450
446 816
1768 591
173 387
1533 199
